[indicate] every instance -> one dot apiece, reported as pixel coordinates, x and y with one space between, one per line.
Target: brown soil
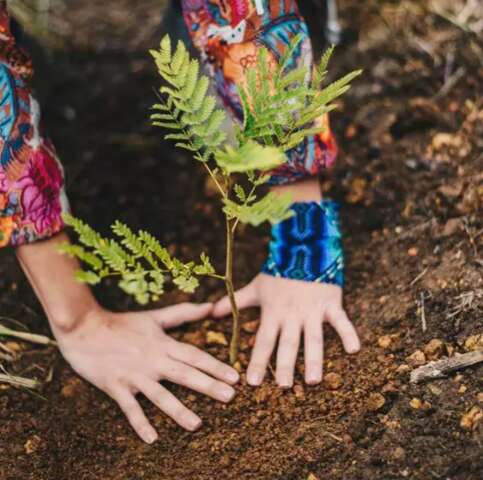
410 176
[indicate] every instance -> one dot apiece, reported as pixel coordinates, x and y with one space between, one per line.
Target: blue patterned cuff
308 245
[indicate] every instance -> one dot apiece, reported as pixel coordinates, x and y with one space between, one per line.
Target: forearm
304 191
51 274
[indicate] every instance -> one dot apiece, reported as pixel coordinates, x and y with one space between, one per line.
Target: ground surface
410 176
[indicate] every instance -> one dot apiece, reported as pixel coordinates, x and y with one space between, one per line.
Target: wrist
65 322
308 246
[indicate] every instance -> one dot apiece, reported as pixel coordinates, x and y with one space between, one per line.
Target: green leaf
251 156
206 268
87 277
272 208
186 284
240 193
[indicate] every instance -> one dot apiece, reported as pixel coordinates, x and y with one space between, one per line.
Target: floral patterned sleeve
228 33
32 196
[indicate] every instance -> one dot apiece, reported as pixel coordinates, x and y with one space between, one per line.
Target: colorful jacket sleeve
228 34
32 196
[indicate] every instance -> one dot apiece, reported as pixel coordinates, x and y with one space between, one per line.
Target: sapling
280 109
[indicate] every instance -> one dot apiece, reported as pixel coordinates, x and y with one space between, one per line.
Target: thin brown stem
231 293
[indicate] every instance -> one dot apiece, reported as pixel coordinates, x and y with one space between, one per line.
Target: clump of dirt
410 178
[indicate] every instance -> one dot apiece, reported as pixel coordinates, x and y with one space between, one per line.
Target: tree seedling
280 109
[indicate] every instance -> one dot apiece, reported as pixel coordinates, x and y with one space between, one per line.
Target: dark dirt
410 176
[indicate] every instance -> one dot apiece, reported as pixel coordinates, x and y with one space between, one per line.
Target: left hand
288 308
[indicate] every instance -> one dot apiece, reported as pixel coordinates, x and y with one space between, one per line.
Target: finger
288 347
314 351
170 405
262 351
135 415
245 297
176 315
178 372
203 361
343 326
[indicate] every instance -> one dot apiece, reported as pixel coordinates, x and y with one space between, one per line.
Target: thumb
176 315
245 297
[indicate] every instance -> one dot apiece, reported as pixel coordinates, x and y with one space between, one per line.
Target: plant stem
231 292
19 381
29 337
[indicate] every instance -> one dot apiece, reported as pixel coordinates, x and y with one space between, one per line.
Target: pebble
413 252
399 453
216 338
32 444
434 349
250 327
375 402
473 343
404 368
333 380
472 418
417 358
71 387
435 390
384 341
419 404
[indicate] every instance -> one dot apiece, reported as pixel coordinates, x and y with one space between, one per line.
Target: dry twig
440 368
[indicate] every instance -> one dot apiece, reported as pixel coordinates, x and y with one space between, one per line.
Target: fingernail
255 379
313 379
150 437
227 394
232 376
285 382
195 423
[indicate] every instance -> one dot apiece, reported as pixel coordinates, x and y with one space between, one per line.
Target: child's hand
288 308
129 353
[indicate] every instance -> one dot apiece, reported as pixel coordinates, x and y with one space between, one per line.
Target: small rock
472 418
216 338
434 349
403 368
413 252
333 380
71 387
375 402
416 359
473 343
196 338
419 404
357 190
462 389
435 390
398 453
312 477
263 393
415 403
32 444
384 341
250 327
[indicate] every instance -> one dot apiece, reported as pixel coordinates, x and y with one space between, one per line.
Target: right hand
129 353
